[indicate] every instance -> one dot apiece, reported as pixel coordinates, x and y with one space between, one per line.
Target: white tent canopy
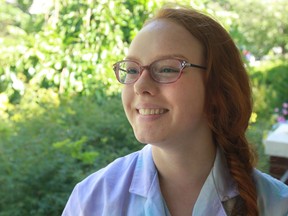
276 144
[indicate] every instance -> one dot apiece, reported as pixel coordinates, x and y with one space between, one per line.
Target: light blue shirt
129 187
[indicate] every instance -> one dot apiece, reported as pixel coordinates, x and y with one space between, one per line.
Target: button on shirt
129 186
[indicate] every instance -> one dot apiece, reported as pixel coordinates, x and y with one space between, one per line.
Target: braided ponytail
228 97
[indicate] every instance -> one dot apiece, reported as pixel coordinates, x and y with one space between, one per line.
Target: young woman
187 94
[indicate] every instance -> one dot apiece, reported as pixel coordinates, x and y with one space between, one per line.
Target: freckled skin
184 99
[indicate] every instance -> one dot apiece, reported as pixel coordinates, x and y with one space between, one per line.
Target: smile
152 111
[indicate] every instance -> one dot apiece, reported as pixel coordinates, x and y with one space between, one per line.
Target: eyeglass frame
182 62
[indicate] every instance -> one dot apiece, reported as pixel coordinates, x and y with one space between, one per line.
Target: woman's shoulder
117 175
101 191
270 184
119 168
272 194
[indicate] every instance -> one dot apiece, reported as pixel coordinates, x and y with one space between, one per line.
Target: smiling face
163 114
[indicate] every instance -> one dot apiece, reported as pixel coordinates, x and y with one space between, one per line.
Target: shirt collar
145 173
223 181
218 187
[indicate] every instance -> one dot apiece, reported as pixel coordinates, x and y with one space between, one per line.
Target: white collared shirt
129 186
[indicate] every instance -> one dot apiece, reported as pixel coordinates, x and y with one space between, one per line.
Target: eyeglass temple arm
194 65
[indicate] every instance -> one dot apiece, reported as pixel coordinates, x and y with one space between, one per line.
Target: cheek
191 96
126 96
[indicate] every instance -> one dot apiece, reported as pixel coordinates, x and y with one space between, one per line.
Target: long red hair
228 97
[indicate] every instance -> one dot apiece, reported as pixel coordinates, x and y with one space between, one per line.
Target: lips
152 111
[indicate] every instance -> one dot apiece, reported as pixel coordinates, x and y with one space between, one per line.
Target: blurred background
60 110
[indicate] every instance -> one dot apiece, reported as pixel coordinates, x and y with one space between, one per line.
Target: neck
182 173
184 165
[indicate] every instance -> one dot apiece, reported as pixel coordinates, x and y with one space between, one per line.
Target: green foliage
255 26
53 147
75 49
270 90
270 87
255 137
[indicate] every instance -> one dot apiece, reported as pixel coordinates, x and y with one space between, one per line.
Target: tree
75 49
258 25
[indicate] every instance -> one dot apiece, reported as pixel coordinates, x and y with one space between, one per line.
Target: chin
145 140
150 137
142 140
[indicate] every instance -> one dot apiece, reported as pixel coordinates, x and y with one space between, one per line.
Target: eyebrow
178 56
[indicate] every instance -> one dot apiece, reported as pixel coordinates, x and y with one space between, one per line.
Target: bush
52 144
270 90
270 87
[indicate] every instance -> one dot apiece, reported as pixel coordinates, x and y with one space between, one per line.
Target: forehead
161 38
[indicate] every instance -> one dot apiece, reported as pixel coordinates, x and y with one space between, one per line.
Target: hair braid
229 106
241 169
228 97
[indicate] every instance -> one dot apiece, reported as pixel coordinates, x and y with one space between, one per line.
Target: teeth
151 111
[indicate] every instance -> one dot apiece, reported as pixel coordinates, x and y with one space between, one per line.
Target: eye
168 69
132 71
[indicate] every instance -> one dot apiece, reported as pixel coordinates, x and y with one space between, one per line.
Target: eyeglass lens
163 71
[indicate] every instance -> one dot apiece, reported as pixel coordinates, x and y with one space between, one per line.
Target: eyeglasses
162 71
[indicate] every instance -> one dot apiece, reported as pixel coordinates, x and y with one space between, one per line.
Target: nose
145 84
